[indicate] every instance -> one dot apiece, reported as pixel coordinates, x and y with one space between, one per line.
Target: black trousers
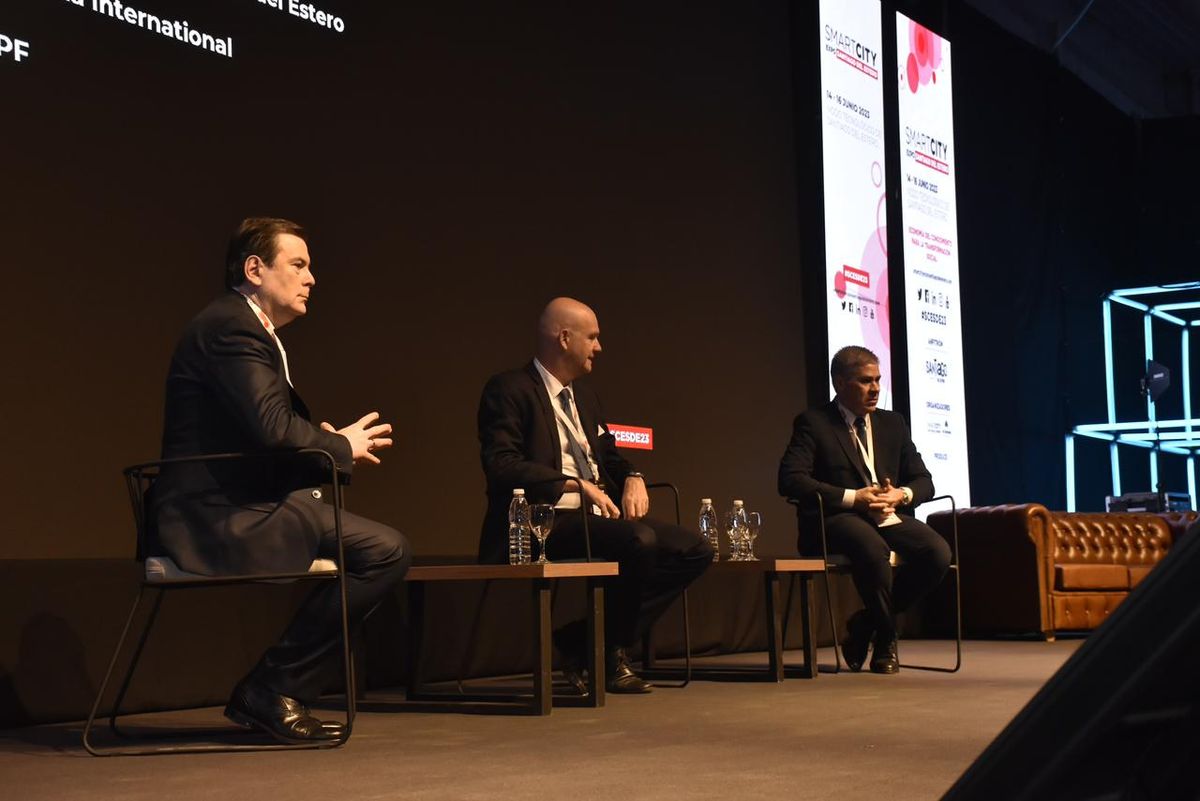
376 559
925 558
657 561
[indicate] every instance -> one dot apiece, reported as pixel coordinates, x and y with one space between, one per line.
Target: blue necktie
581 460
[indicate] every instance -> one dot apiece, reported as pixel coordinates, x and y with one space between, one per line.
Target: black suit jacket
519 446
226 392
822 457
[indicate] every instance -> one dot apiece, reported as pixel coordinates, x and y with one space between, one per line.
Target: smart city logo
927 150
852 52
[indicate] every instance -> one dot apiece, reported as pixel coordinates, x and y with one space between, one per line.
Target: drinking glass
734 529
754 522
541 520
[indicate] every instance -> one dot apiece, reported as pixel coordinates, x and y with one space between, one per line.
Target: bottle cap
518 493
737 504
706 501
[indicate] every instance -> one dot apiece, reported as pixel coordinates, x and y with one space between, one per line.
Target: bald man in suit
541 428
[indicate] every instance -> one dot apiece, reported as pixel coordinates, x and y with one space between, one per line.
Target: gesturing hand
364 436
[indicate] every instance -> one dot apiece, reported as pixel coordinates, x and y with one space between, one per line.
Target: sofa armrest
1006 573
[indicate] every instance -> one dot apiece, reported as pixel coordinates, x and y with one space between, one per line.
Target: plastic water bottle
519 532
709 528
737 526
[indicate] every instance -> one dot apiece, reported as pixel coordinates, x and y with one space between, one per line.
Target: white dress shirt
267 324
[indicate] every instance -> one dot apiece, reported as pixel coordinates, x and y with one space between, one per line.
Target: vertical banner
927 203
852 148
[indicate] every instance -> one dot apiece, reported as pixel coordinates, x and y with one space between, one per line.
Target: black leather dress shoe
620 676
884 658
570 640
285 719
858 640
576 678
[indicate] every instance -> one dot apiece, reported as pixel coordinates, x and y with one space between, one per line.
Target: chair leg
133 662
833 628
112 664
148 750
687 642
687 652
595 643
347 662
957 631
955 568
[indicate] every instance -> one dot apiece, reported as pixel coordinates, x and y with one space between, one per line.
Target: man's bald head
562 314
568 338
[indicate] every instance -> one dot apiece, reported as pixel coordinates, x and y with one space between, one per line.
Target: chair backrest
138 480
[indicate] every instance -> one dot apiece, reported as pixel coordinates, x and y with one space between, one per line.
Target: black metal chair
160 575
839 564
647 643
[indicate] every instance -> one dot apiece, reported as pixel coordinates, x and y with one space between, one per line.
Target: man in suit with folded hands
862 462
541 429
229 389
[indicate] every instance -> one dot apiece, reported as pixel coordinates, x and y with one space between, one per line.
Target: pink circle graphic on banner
924 56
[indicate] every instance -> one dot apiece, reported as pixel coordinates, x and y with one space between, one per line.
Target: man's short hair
847 360
256 236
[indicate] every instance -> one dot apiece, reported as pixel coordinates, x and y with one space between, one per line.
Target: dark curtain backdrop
458 164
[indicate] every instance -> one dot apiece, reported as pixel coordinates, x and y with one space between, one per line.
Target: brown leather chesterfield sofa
1026 569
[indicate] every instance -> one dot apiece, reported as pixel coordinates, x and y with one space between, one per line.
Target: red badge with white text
856 276
636 437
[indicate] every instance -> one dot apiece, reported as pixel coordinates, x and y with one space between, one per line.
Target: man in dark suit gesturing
862 462
541 429
229 389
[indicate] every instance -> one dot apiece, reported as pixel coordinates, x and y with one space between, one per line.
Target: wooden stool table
771 568
420 699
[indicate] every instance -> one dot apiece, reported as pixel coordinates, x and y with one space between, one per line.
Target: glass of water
754 522
541 520
735 527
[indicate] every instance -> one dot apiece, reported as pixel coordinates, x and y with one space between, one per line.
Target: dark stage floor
849 736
